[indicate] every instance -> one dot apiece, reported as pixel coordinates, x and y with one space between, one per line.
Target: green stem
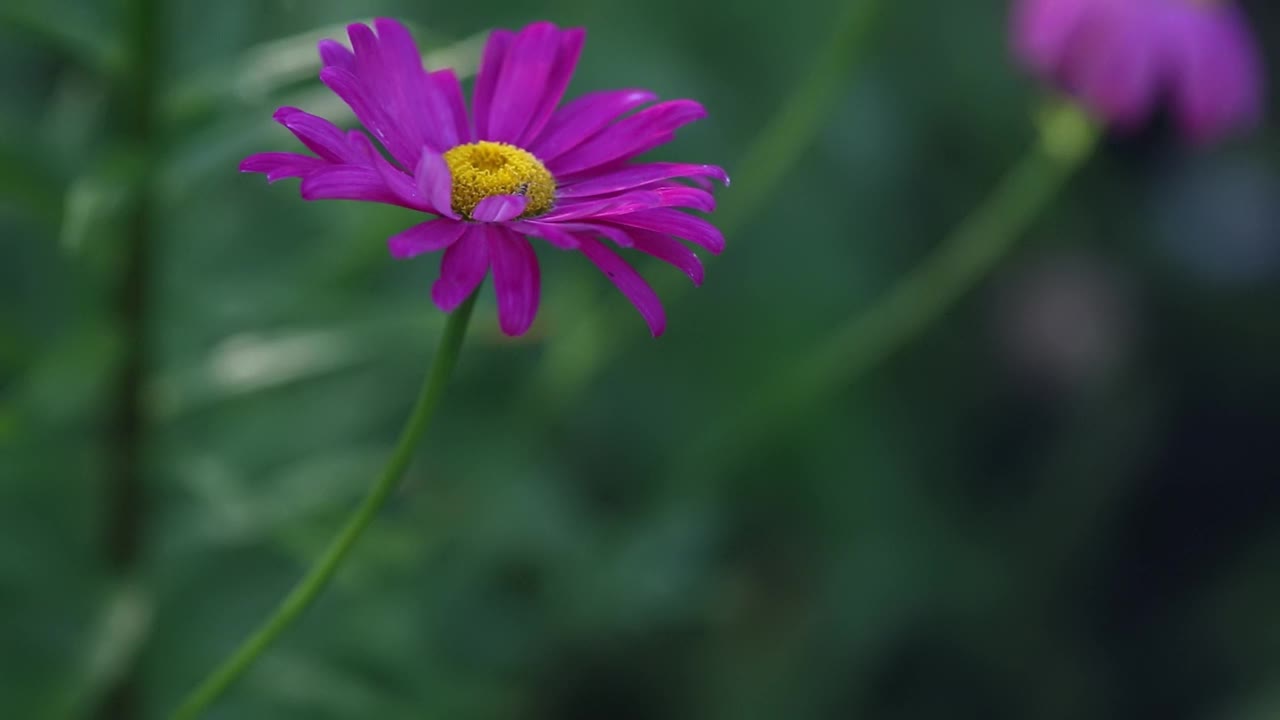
923 296
598 336
962 259
126 502
310 587
64 32
781 144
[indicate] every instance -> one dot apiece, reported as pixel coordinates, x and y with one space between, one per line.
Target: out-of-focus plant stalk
126 431
324 568
915 302
65 34
574 361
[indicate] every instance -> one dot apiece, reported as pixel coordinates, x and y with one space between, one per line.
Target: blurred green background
1059 502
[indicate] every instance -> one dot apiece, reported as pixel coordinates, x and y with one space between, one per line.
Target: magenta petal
686 197
629 282
354 93
619 236
403 186
436 183
371 68
604 207
376 81
551 232
521 83
463 266
1242 90
395 179
661 195
281 165
1114 66
425 237
421 105
446 86
629 137
582 118
319 135
566 62
1217 74
705 182
633 176
1244 63
399 51
1122 58
361 147
499 208
516 280
673 222
495 51
669 251
348 182
1043 29
344 83
622 237
333 52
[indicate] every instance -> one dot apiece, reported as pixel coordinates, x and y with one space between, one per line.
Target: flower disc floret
484 169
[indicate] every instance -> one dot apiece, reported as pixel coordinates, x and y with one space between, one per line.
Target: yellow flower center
484 169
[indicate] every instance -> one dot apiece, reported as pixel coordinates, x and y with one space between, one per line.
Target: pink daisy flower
1122 58
518 167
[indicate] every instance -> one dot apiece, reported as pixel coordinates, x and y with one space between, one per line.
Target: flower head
519 166
1123 57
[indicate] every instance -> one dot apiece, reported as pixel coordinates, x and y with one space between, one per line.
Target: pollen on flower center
484 169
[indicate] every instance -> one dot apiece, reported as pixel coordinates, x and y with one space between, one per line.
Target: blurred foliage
1059 503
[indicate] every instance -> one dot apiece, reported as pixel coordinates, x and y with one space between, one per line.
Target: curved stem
781 144
574 361
919 299
310 587
962 259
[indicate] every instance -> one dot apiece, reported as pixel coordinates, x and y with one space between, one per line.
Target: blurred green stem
310 587
574 361
66 32
125 497
1066 139
781 144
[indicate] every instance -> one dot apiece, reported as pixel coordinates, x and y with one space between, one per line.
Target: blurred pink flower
518 167
1123 57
